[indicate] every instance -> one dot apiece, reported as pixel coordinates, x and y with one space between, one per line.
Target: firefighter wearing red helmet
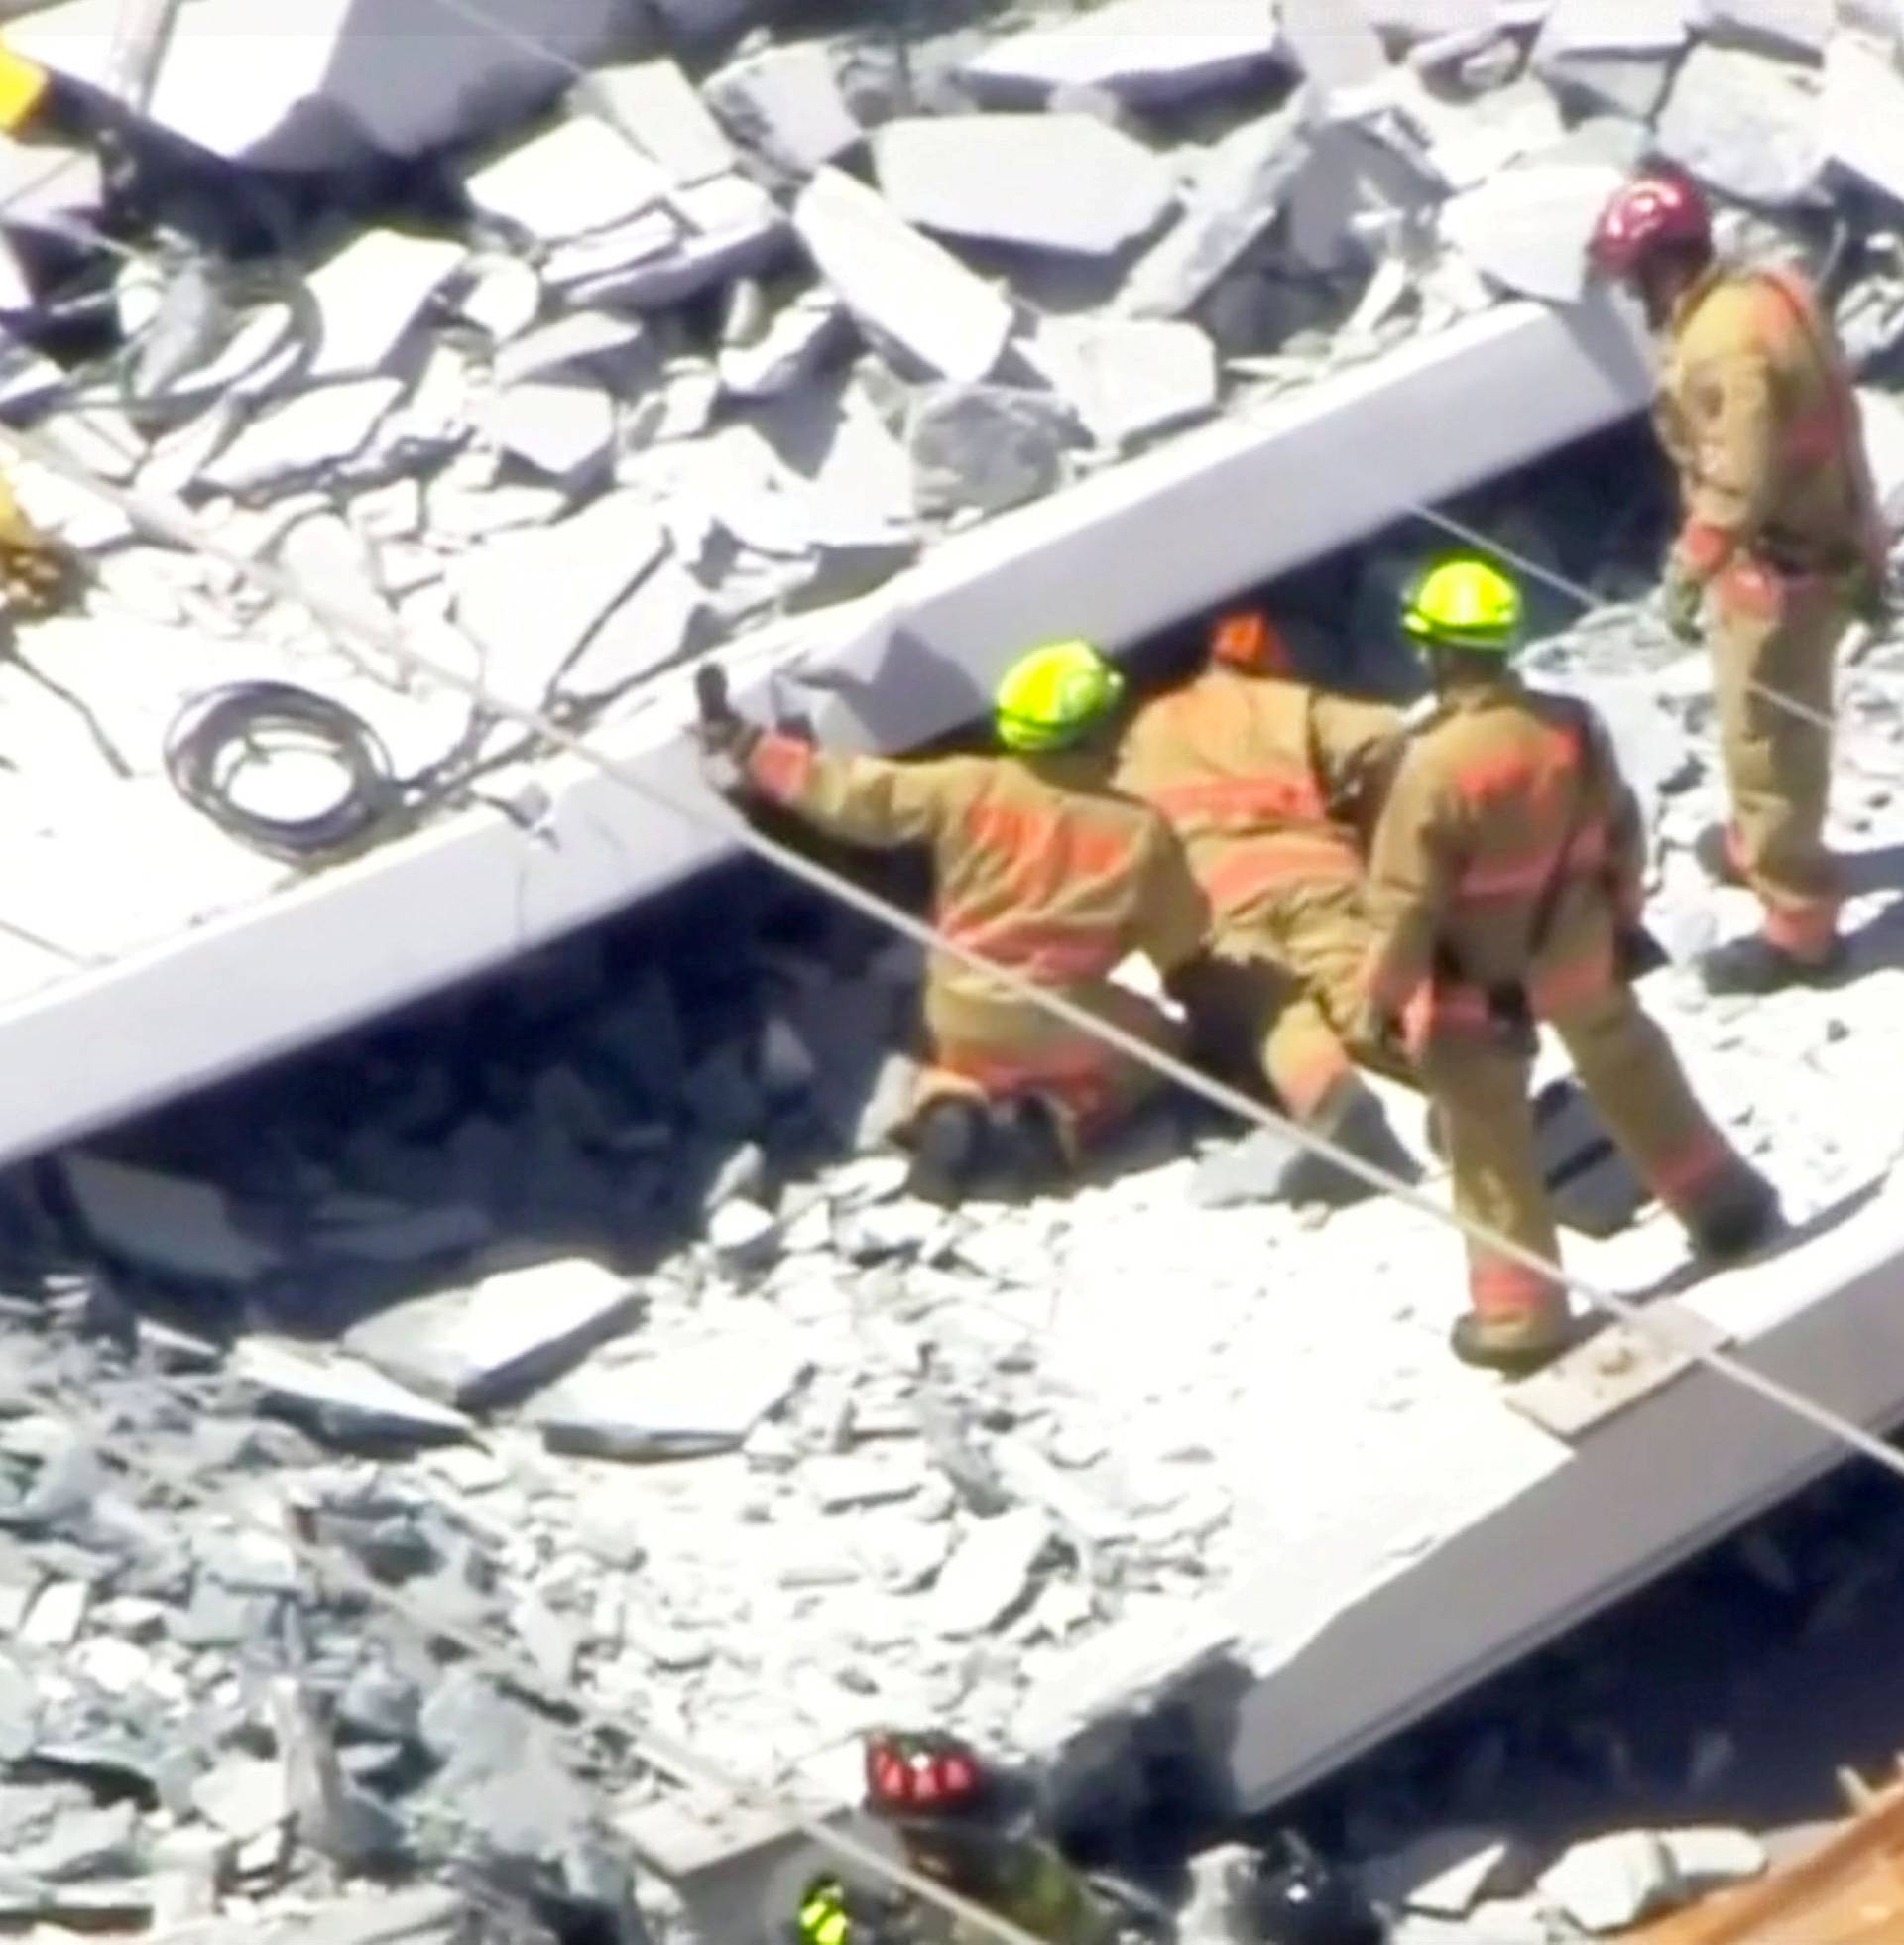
1781 546
962 1823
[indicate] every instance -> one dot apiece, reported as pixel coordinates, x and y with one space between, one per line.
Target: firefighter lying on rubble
1272 786
1040 866
1504 888
1780 549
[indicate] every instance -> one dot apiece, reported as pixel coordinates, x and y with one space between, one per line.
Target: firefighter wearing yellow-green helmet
1055 696
1465 603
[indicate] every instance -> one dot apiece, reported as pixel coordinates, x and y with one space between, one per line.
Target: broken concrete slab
1790 27
500 1337
244 1796
1127 380
1864 114
1620 52
1149 52
564 428
990 1573
1238 190
900 284
1336 50
341 1395
986 446
370 294
1063 182
733 228
690 1402
666 619
181 1227
578 177
785 104
1706 1857
1528 227
530 598
1410 21
591 342
1746 124
320 427
658 108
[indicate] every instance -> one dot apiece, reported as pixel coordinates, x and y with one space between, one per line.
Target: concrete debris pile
735 328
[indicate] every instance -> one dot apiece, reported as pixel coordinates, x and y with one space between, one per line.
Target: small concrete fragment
900 284
1709 1858
341 1395
1611 1883
1443 1875
990 1574
985 446
1127 380
580 176
658 108
785 104
797 341
565 430
1864 114
1238 191
700 1399
1745 123
1528 227
1147 52
175 1225
502 1336
1062 182
244 1796
743 1236
370 294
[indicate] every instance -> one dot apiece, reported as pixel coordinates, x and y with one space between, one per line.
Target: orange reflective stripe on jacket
1050 954
1225 802
1250 868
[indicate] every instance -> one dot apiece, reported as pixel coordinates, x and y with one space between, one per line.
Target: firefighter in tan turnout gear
1271 785
1040 865
1504 888
1780 549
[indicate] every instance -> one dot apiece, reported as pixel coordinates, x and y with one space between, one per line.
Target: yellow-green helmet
1465 603
1052 696
823 1918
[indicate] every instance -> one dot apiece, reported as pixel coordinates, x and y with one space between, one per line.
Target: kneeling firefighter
1040 866
1505 888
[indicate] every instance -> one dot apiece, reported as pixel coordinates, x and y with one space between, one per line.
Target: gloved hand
1681 596
39 577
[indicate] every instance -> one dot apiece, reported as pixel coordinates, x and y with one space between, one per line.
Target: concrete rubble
632 1355
726 217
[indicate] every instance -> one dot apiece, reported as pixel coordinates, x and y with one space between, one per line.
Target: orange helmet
1248 639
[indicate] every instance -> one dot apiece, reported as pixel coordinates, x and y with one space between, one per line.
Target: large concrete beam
1115 559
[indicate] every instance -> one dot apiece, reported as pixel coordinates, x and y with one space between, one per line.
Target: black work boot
1714 849
1025 1151
949 1139
1742 1215
1515 1347
1757 967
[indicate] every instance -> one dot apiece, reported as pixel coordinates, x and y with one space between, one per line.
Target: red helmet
923 1775
1658 210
